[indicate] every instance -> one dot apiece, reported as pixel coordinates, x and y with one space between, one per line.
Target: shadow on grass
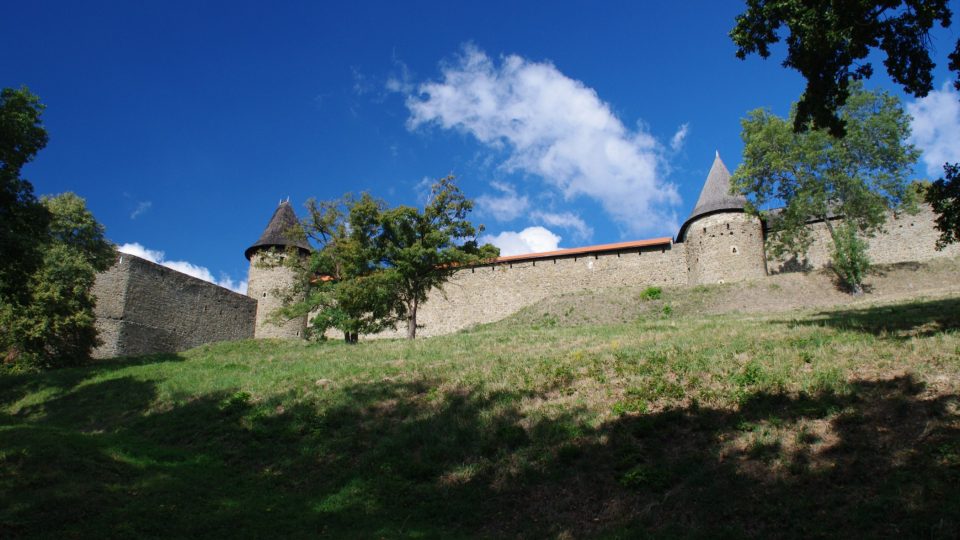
901 321
14 386
402 459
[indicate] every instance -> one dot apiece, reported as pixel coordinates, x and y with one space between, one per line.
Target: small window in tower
733 249
264 295
704 230
728 226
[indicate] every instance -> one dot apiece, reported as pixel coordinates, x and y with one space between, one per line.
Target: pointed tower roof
715 196
275 235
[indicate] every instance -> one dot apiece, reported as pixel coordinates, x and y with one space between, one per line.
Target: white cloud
361 82
529 240
401 80
676 143
506 207
556 128
567 220
142 207
936 128
190 269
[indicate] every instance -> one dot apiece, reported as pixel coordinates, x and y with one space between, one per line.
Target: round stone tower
723 243
268 275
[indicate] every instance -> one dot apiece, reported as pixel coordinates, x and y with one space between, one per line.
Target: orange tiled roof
588 250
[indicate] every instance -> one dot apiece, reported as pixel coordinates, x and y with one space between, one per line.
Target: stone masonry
905 237
265 283
145 308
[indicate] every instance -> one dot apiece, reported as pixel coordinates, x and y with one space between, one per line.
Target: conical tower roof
715 196
275 235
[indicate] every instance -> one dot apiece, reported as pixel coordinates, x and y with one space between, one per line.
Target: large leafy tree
422 249
944 196
51 250
23 220
849 184
375 266
342 283
827 42
51 322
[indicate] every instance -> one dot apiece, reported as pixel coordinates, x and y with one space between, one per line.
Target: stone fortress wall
145 308
905 237
488 294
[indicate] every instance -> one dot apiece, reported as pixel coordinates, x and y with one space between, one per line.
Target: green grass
841 423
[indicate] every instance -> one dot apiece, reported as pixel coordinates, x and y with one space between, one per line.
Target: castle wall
490 293
267 277
725 247
145 308
905 238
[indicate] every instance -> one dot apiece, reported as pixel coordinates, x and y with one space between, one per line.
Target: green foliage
342 282
828 41
944 196
52 323
441 438
51 251
424 249
651 293
849 257
375 265
22 218
855 180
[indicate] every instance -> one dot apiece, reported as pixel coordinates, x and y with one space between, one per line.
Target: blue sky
570 123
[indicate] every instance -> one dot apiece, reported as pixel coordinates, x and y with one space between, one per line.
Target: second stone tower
269 277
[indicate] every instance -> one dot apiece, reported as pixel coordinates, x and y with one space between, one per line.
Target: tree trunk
412 320
351 337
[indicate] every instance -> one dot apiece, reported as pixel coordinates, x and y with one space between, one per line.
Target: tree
423 250
829 39
849 184
375 266
342 283
51 250
944 196
23 220
52 323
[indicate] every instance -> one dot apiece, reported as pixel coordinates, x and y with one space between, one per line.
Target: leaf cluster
22 218
828 40
51 250
818 177
375 265
50 322
944 196
849 257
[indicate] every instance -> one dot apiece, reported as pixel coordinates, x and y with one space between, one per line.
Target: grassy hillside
676 423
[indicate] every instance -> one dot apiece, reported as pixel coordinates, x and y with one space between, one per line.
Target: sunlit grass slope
836 423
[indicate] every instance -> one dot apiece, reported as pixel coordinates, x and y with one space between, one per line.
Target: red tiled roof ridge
586 250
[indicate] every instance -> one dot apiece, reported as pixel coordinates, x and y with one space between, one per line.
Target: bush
651 293
51 322
849 258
